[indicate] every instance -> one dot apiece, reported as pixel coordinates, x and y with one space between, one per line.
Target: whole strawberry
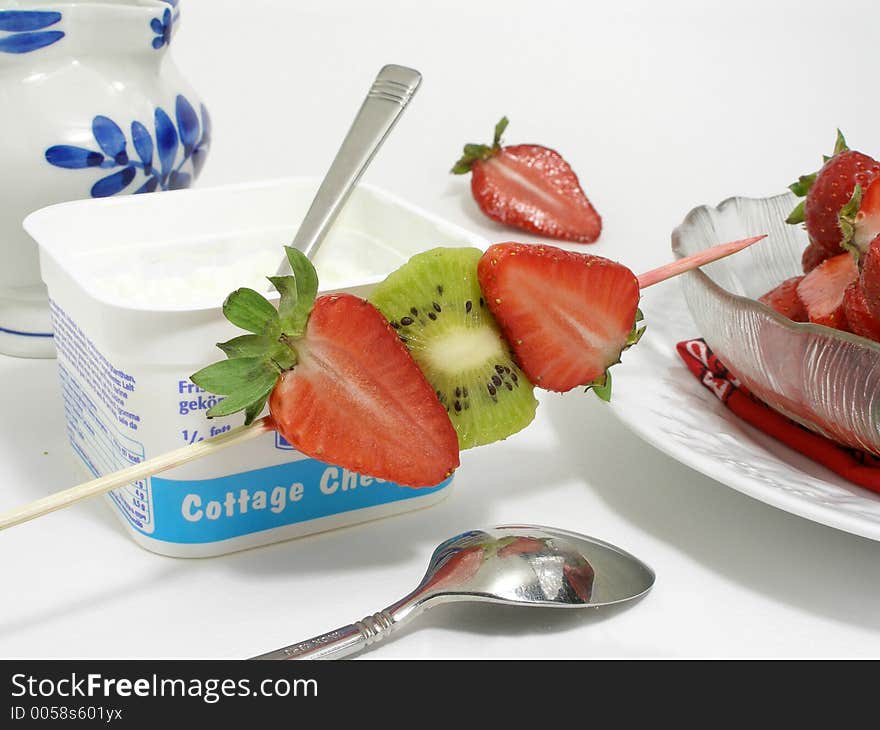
531 187
839 183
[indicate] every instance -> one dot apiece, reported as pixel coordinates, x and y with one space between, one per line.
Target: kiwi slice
435 304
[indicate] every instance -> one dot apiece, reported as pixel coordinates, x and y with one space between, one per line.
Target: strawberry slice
859 317
785 300
341 385
822 290
530 187
566 315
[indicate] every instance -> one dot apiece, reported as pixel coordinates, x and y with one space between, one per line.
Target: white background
659 107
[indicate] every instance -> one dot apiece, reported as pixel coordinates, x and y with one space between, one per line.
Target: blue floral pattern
25 30
162 26
156 162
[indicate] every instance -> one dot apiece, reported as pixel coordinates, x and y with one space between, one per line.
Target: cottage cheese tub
135 287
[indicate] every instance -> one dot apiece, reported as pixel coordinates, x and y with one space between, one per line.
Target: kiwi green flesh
435 304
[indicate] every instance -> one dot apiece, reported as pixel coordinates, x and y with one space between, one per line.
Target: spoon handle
388 97
340 642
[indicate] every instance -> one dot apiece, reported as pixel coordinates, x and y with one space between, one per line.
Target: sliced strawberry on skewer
822 290
785 300
828 191
530 187
341 386
349 360
859 317
568 316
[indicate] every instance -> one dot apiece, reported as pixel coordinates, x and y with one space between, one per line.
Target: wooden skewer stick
141 470
191 452
695 260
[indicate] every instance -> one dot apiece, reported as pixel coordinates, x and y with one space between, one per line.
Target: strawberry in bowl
797 341
840 213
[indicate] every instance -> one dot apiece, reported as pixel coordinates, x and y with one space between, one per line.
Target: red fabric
859 467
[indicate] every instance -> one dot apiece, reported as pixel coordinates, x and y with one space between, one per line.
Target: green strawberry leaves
802 185
474 152
797 215
242 380
601 386
245 346
499 131
251 311
637 331
298 293
255 360
846 219
840 144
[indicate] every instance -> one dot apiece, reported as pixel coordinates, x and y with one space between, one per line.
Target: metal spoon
515 564
388 97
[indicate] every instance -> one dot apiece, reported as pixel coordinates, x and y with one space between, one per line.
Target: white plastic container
135 287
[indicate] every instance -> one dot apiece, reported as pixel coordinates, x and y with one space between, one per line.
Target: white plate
659 399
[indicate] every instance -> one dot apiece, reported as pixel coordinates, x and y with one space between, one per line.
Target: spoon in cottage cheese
388 97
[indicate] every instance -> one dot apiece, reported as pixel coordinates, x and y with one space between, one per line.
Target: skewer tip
695 260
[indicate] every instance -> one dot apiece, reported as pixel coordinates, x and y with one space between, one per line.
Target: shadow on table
483 481
407 539
515 621
792 560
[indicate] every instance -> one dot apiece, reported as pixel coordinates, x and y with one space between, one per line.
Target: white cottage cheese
203 273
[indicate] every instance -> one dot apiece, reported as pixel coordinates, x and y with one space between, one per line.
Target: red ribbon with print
857 466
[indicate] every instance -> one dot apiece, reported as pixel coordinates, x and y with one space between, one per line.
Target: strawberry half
566 315
785 300
341 386
828 191
822 290
531 187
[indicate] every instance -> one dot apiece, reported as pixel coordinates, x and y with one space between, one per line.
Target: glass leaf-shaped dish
825 379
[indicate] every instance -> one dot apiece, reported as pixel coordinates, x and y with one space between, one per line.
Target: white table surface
659 107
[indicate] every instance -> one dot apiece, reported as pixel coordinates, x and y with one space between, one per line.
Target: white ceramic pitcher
92 106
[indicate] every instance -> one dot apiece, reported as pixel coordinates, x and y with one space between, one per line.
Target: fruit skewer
259 426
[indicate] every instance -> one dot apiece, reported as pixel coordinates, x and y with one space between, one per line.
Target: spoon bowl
522 565
539 566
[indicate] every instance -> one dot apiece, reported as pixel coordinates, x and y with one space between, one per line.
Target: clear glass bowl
826 380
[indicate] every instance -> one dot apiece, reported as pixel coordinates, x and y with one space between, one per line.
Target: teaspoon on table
518 565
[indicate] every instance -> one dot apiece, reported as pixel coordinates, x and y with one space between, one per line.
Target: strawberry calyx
474 152
846 220
802 185
601 386
256 360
